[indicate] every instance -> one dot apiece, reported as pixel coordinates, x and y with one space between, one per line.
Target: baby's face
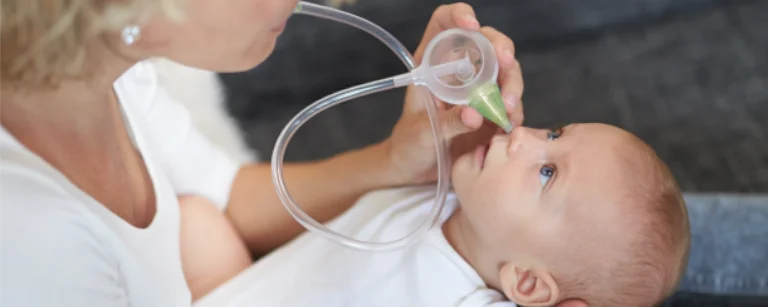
541 187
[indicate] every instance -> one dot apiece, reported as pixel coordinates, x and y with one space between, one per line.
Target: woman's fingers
457 15
510 75
470 117
459 120
505 48
511 84
445 17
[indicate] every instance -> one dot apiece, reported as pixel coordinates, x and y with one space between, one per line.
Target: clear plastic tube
345 95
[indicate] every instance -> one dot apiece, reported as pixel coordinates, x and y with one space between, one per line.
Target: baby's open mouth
481 153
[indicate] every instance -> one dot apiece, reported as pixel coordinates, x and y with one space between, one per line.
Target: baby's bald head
641 258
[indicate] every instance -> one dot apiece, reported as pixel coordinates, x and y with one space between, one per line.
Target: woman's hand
411 145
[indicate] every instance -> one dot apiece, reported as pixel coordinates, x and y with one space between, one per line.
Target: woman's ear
528 286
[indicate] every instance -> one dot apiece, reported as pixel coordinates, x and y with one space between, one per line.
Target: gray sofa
690 77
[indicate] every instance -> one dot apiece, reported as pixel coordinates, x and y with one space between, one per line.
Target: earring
131 34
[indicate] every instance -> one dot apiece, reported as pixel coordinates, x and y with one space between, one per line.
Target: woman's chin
249 59
247 63
260 54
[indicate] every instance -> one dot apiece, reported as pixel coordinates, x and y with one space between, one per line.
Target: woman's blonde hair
45 41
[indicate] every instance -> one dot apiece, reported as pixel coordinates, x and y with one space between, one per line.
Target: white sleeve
193 164
50 256
484 297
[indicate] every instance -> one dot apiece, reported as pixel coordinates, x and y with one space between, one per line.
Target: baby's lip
481 153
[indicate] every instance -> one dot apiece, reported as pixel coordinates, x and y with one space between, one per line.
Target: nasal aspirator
460 67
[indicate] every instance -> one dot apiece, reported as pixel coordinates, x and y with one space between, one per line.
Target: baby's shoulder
400 193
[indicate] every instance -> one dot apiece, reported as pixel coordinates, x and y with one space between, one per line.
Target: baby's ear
528 286
572 303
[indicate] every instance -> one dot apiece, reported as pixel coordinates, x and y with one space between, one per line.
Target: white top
312 271
61 248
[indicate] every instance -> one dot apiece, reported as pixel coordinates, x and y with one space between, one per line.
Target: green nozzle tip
486 99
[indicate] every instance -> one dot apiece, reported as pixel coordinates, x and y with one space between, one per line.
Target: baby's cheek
494 194
477 202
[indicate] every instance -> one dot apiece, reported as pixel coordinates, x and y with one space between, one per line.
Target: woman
111 198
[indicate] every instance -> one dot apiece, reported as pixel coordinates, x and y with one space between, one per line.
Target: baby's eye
554 134
546 173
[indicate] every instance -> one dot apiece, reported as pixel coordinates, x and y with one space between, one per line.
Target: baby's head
585 214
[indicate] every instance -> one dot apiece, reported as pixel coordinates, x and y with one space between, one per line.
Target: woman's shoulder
56 255
35 201
40 219
33 204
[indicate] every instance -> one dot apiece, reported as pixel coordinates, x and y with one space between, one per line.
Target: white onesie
312 271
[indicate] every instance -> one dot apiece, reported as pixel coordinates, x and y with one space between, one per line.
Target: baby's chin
458 186
457 175
460 183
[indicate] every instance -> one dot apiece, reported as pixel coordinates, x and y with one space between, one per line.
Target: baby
586 215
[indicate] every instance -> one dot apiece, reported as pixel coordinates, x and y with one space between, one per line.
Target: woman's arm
323 189
326 189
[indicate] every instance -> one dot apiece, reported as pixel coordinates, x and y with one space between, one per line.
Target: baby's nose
525 134
523 139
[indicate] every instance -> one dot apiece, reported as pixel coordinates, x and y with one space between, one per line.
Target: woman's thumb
459 120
